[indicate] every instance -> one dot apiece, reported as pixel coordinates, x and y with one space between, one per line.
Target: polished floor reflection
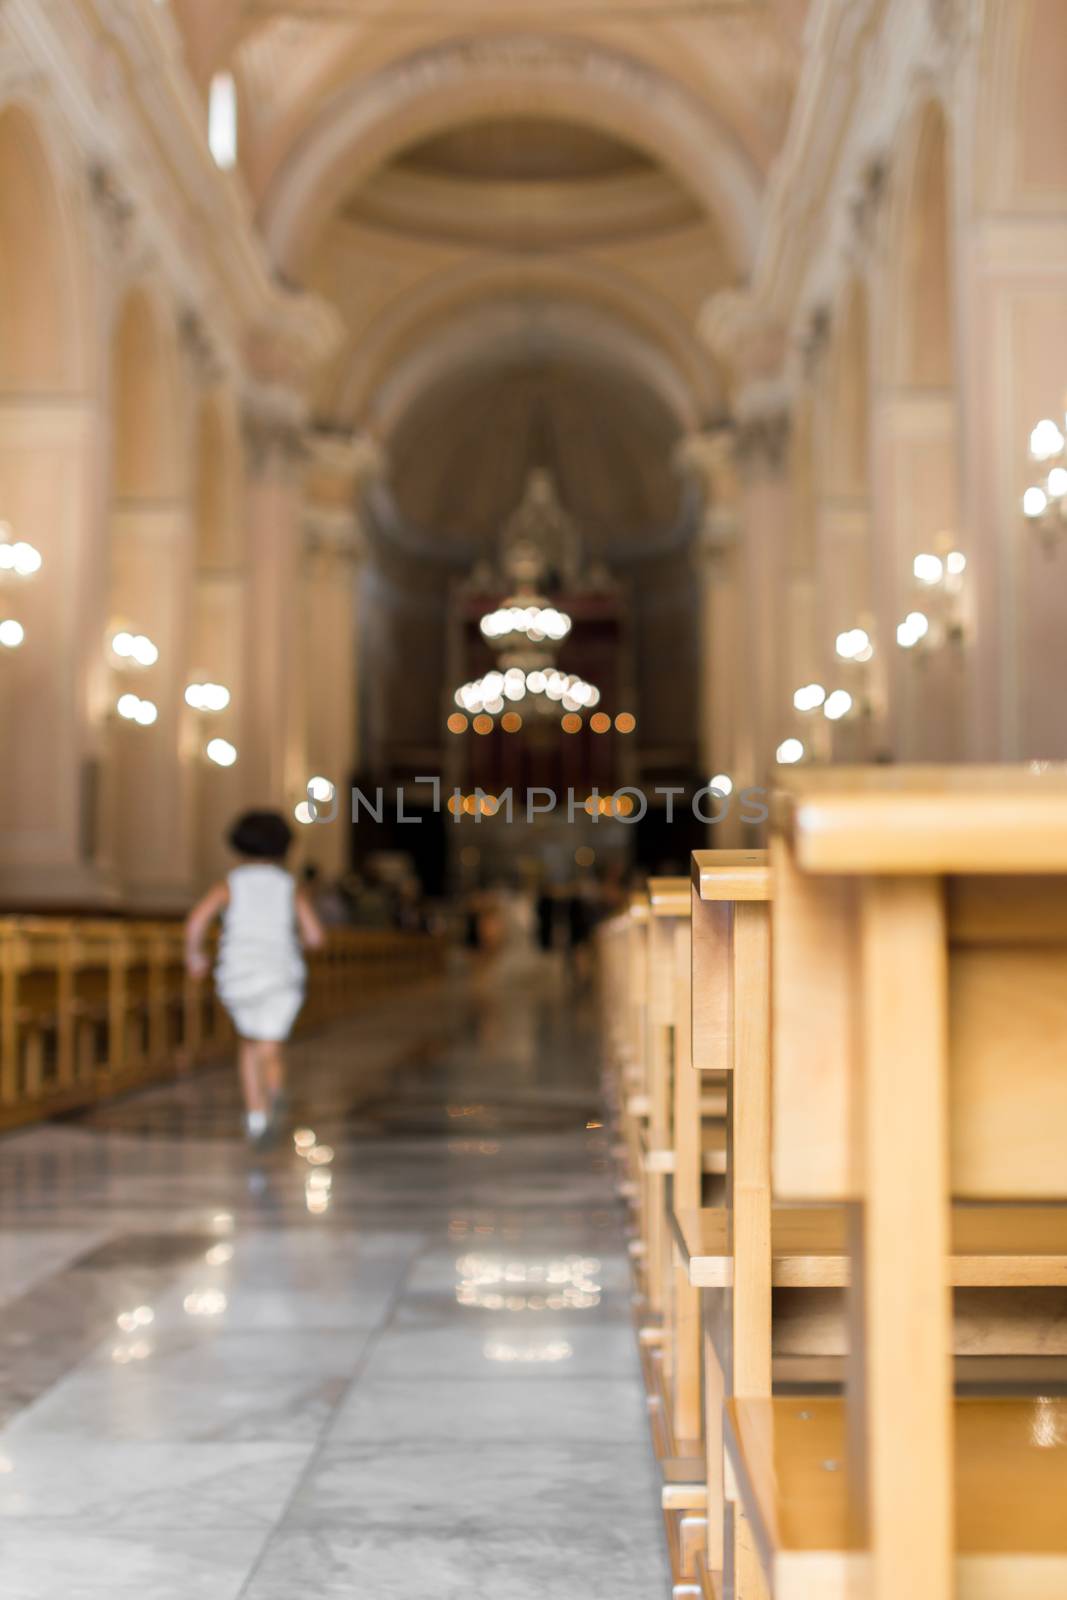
392 1356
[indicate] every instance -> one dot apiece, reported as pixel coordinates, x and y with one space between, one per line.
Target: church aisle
408 1369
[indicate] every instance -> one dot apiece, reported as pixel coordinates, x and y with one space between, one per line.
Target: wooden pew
920 1040
91 1007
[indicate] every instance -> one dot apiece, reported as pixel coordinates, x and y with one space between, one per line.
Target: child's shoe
256 1124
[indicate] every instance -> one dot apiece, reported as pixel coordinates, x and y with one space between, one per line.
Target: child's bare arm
197 924
312 932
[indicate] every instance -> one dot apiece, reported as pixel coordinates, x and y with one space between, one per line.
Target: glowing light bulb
221 752
144 652
916 626
12 634
789 752
929 569
1035 502
955 563
27 560
810 697
1057 483
722 784
320 789
838 705
1046 441
303 813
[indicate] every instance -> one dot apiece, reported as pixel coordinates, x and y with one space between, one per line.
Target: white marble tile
29 1256
533 1486
502 1350
343 1563
611 1411
41 1562
136 1487
209 1386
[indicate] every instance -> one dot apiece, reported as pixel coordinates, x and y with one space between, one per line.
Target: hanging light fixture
525 630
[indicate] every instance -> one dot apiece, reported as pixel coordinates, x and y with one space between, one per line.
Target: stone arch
42 324
459 317
466 79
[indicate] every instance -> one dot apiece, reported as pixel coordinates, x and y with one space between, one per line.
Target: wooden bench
94 1006
920 1036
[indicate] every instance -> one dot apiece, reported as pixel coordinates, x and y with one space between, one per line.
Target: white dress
260 974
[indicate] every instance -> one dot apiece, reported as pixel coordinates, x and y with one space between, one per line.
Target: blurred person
327 898
260 973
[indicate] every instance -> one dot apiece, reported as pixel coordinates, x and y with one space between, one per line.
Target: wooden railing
91 1008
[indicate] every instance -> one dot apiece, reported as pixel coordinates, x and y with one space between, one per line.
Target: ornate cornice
152 176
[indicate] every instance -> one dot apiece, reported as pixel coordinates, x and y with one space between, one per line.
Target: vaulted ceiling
520 211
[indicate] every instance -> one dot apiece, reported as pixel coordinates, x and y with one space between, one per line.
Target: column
150 780
1010 262
53 690
709 458
334 549
273 731
766 516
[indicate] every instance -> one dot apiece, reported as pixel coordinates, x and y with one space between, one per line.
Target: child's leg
251 1075
272 1065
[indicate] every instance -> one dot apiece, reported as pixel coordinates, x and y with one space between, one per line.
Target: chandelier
1045 504
526 629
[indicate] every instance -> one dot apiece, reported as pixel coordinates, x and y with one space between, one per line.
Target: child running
260 972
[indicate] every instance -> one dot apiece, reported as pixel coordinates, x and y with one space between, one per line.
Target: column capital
274 424
764 430
710 460
334 533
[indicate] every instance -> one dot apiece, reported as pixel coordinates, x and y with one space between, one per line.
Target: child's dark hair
261 835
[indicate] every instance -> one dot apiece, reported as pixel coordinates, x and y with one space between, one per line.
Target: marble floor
393 1356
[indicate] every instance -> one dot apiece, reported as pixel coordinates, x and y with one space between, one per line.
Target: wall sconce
208 697
1045 504
133 709
17 560
854 645
133 649
939 574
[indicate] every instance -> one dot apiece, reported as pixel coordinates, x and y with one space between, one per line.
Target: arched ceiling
519 211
